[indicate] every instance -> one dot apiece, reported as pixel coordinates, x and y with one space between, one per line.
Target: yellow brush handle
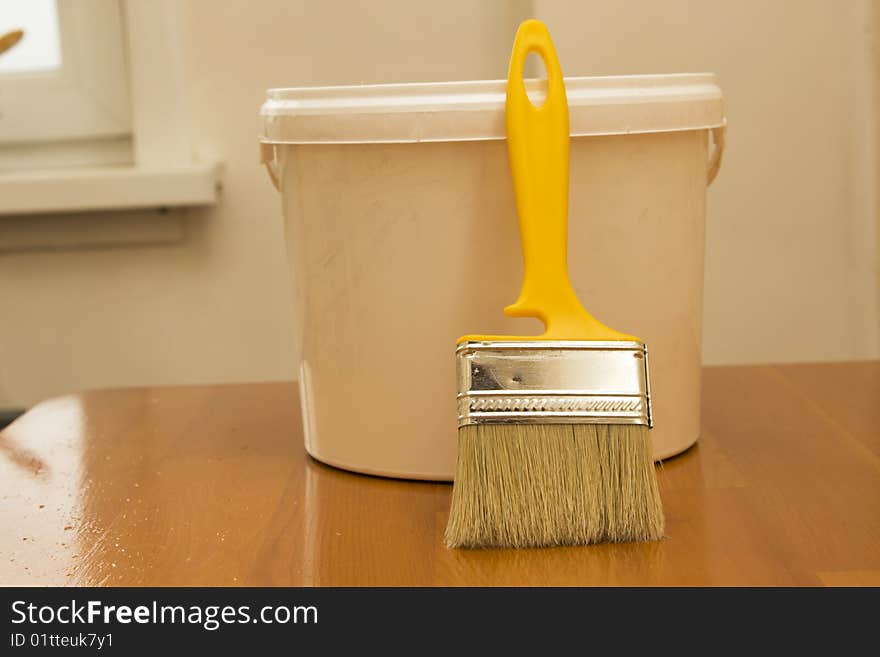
537 143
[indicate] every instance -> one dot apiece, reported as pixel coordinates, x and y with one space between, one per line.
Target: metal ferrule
546 382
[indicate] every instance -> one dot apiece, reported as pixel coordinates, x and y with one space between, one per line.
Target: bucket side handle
719 136
267 158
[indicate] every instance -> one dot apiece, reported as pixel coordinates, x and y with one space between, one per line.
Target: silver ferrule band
553 382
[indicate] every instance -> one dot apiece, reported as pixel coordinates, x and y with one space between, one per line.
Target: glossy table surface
211 486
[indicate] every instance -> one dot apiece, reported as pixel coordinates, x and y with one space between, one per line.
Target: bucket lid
472 111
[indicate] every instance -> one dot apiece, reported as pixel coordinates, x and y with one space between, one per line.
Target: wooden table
210 486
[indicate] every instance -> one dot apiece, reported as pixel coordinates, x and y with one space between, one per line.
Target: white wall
791 266
791 262
216 306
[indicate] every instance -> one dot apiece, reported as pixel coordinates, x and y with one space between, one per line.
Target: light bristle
537 485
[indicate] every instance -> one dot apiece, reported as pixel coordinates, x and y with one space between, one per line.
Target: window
41 51
91 109
61 85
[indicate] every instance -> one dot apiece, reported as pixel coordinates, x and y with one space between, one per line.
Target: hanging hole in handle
534 67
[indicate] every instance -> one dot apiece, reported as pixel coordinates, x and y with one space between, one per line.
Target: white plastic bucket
402 236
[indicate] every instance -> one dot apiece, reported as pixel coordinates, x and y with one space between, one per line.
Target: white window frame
144 154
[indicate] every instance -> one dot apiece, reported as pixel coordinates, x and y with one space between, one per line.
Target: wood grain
211 486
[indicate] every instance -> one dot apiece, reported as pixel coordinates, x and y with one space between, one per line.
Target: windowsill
108 188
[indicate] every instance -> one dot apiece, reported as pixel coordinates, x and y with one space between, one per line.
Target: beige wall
215 306
791 266
791 261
